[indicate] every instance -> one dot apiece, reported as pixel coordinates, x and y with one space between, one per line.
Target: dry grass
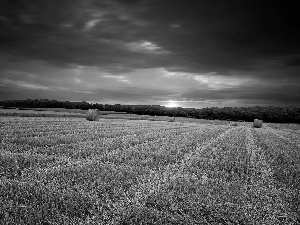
141 172
34 113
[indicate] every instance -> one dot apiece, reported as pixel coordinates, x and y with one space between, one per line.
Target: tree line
248 114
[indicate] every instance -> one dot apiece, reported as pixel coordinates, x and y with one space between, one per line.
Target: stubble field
73 171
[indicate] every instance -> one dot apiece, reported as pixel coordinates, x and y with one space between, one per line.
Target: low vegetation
267 114
38 113
70 171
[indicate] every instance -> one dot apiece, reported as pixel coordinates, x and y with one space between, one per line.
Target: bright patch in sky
117 78
172 104
146 47
90 24
220 81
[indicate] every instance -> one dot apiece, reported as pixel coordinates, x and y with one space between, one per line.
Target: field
63 170
49 112
62 112
81 111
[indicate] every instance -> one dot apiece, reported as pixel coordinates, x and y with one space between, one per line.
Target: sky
185 53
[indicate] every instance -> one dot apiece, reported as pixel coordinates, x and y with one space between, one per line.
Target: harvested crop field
73 171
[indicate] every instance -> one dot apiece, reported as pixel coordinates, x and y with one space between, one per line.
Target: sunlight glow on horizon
171 104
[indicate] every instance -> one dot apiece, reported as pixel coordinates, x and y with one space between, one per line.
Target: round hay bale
172 119
144 117
93 115
257 123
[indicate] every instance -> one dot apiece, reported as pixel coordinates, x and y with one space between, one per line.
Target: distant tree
267 114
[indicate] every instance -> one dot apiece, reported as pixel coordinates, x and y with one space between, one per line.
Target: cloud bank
195 52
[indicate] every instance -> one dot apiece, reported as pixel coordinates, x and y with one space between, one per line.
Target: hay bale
93 115
172 119
144 117
257 123
233 124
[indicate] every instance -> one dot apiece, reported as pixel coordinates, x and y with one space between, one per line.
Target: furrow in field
32 202
168 149
71 134
57 144
111 170
291 137
224 175
111 179
178 183
283 157
292 131
17 165
91 132
157 152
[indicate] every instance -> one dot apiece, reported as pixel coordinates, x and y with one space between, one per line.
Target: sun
172 104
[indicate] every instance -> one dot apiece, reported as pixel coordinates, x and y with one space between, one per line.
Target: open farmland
73 171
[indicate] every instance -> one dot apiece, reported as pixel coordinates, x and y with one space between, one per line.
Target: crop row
126 172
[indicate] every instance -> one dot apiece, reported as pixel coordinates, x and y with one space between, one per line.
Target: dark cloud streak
212 35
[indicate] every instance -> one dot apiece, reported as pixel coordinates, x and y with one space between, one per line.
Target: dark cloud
210 94
132 94
122 95
293 61
206 35
277 98
285 94
62 32
218 35
232 39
